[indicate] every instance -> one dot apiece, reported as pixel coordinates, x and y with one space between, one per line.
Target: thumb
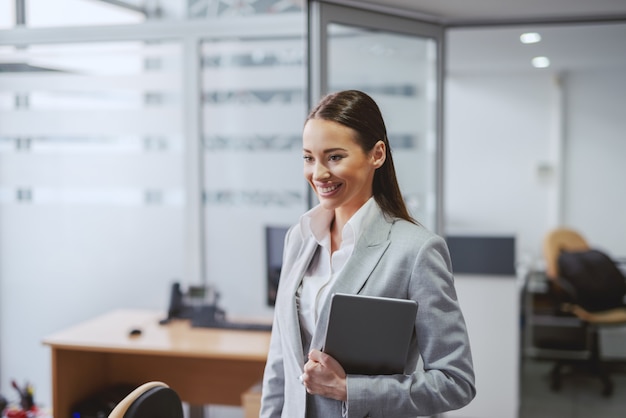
326 361
317 356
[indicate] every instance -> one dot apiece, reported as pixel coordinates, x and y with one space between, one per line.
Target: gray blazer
392 258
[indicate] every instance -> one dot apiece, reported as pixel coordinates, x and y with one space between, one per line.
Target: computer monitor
485 255
274 243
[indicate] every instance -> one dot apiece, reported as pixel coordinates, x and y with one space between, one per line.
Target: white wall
496 132
499 130
595 192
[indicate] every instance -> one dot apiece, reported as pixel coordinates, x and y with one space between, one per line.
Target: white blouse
325 267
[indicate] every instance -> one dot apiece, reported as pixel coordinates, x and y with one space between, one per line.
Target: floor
580 395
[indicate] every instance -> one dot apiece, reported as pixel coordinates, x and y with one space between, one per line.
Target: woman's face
336 167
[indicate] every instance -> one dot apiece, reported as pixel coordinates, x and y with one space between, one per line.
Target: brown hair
358 111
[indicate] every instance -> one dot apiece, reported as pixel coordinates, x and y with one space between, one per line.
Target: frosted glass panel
220 9
399 72
108 120
92 188
54 13
253 109
46 13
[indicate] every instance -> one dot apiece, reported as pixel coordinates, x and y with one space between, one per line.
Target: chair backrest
557 241
595 282
150 400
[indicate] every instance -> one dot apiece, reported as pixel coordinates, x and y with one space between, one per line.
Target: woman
361 239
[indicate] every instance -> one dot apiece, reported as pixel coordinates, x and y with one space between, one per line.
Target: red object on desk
16 413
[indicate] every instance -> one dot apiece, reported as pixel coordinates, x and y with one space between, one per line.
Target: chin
329 204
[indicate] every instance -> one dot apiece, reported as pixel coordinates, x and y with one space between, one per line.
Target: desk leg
196 411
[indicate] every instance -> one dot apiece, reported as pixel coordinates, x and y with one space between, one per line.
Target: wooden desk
205 366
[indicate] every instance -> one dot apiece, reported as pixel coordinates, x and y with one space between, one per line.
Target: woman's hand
324 376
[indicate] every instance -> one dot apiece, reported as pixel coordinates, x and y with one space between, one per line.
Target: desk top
110 333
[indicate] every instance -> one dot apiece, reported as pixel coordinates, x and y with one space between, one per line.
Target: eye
307 158
335 157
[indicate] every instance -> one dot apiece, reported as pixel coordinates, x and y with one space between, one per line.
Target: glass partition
63 13
398 62
399 72
92 187
253 109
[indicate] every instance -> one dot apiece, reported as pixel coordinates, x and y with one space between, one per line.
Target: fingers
323 375
328 362
311 370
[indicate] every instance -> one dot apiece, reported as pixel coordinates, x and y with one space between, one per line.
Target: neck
336 228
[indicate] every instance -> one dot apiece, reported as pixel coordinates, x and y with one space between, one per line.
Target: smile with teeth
328 189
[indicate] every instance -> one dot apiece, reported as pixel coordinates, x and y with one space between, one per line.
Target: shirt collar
317 221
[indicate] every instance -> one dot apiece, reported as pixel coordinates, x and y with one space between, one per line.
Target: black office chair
587 285
150 400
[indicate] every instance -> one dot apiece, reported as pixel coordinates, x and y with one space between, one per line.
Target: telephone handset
199 304
176 302
196 302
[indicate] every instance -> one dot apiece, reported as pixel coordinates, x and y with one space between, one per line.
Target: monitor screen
274 243
490 255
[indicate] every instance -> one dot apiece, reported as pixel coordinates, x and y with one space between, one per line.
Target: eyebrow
327 151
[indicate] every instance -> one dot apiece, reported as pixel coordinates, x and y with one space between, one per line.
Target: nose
320 172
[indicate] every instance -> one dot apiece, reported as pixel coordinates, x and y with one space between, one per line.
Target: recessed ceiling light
541 62
530 38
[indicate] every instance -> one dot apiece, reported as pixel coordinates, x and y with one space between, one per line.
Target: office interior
146 143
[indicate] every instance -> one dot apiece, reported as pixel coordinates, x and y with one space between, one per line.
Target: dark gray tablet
370 335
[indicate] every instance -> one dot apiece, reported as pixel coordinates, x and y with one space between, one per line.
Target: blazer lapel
292 319
368 250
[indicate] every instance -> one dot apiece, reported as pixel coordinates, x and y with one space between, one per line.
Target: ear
378 154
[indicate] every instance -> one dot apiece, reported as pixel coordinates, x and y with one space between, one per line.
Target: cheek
307 172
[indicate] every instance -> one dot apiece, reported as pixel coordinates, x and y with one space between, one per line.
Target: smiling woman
360 239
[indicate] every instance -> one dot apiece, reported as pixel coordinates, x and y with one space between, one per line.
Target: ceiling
483 35
481 12
570 47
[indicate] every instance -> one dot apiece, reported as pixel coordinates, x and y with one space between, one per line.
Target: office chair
570 261
150 400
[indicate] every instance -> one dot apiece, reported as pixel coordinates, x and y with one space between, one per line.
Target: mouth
328 189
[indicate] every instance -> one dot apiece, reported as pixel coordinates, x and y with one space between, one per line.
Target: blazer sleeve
446 380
